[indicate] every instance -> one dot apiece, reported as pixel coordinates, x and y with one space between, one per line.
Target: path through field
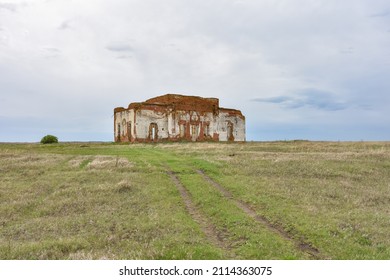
212 233
300 244
217 229
277 200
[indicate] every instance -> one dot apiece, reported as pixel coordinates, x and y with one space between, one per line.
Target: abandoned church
174 117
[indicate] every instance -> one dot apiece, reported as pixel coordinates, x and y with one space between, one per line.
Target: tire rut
299 243
215 236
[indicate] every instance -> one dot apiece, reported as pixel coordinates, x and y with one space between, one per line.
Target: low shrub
49 139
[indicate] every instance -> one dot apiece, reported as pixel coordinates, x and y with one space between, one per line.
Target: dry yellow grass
117 201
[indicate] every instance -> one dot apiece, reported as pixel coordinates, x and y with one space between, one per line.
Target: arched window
119 131
153 129
124 127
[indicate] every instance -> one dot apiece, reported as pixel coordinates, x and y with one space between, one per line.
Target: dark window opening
119 131
153 129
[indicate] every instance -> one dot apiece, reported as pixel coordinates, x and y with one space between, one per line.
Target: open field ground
261 200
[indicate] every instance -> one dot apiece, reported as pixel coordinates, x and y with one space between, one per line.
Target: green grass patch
108 201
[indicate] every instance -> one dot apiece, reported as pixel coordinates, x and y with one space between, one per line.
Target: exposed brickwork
174 117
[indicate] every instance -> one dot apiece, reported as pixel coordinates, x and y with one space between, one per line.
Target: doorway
153 129
182 129
194 132
230 136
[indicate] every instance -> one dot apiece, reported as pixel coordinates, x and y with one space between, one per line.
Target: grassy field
260 200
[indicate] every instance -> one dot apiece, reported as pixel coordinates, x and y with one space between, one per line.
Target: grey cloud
381 14
51 49
349 50
313 98
65 25
120 47
9 6
208 48
276 100
12 7
124 56
51 52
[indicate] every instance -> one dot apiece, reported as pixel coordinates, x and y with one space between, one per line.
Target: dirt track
213 234
300 244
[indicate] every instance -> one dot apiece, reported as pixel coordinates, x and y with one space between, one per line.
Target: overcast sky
297 69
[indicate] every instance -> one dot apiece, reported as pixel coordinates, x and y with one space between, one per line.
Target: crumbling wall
144 119
230 126
176 117
186 103
124 129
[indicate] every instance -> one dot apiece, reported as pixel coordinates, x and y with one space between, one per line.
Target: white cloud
100 54
120 47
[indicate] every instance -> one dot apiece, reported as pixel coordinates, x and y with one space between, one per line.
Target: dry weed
104 162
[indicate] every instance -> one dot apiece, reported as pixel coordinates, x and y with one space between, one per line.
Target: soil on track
299 243
215 236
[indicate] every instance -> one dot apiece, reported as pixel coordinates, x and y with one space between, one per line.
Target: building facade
174 117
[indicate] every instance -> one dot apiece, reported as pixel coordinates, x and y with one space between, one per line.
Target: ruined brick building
174 117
